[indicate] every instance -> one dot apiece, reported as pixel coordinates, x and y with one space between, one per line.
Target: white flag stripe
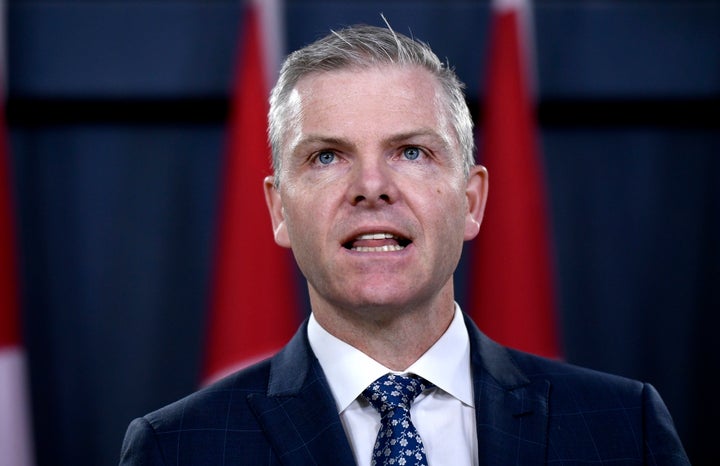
15 426
526 30
272 30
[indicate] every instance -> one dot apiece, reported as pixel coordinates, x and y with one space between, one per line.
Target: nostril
383 197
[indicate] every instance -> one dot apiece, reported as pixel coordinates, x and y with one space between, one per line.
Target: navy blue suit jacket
529 411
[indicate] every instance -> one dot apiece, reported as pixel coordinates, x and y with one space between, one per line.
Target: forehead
368 102
402 78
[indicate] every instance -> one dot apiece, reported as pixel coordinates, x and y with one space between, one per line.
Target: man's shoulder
514 368
597 415
566 378
212 402
199 428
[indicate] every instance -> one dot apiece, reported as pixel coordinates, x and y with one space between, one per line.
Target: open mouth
377 242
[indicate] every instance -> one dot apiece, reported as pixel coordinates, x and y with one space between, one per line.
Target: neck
394 337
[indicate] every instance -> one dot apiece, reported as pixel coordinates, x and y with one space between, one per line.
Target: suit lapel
511 410
298 413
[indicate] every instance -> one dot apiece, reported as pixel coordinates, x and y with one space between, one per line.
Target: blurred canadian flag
16 446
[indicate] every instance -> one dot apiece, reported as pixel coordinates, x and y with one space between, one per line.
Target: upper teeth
375 236
385 248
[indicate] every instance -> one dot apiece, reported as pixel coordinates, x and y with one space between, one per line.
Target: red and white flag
512 295
254 306
15 427
16 446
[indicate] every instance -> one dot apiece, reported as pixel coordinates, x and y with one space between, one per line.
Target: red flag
15 430
254 307
512 290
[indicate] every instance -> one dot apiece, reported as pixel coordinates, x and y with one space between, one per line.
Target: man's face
372 198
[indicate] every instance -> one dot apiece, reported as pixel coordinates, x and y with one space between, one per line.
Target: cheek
295 223
306 219
452 212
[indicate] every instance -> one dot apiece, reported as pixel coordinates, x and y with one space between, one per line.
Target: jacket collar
298 413
511 410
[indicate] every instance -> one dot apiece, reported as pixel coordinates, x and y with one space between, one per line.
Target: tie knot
395 391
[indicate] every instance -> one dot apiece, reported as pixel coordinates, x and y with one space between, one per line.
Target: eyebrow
317 139
421 133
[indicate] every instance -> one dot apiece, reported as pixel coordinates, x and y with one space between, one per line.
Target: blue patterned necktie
398 442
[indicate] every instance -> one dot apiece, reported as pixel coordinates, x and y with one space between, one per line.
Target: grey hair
366 47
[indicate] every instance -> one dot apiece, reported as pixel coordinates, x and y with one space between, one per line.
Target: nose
372 182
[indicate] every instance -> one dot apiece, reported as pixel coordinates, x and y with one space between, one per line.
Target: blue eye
326 157
411 153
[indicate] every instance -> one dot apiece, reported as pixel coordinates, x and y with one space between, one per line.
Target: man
375 190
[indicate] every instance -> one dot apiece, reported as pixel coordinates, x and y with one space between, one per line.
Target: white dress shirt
444 416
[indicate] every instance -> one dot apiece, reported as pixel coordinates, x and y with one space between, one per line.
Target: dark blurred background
117 113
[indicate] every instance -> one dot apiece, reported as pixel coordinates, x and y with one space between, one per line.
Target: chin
377 303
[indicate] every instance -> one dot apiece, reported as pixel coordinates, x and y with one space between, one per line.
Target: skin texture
371 151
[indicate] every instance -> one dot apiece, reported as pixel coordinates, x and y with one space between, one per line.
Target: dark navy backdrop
116 112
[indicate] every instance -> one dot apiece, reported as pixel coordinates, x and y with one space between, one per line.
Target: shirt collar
349 371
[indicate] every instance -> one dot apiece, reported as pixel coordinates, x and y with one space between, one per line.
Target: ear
476 194
277 214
